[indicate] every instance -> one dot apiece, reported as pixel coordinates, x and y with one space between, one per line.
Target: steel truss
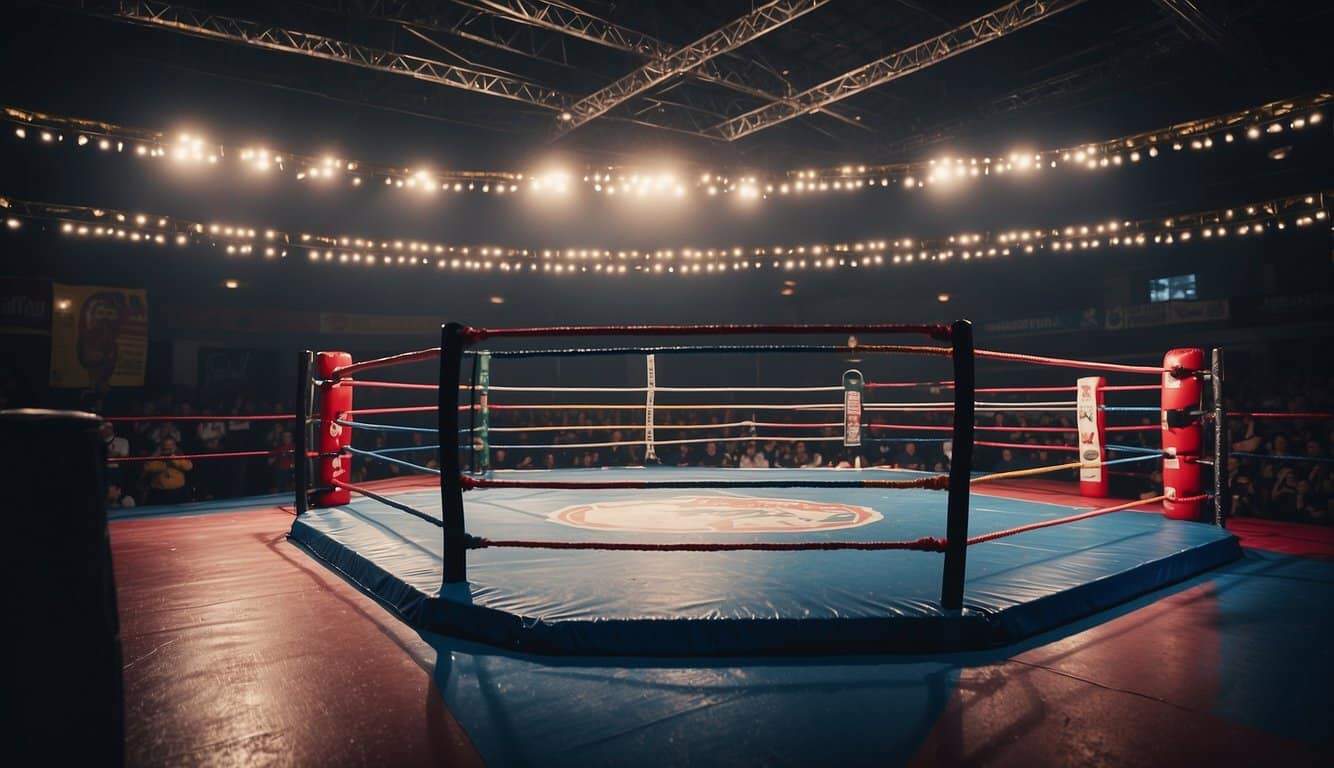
980 31
204 24
662 68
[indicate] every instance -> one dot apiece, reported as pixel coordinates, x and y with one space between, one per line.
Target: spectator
167 477
753 458
711 457
117 498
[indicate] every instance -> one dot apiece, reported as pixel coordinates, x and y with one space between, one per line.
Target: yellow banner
99 336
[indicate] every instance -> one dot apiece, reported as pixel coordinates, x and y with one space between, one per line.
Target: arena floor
240 648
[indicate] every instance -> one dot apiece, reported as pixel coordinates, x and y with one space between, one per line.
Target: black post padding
1222 494
301 435
63 688
451 473
961 467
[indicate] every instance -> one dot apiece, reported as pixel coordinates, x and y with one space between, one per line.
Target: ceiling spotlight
231 284
942 297
497 299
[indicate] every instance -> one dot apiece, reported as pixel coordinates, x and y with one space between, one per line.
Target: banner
1166 313
25 306
99 336
225 373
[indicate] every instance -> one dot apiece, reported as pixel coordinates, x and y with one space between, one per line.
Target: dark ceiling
1103 67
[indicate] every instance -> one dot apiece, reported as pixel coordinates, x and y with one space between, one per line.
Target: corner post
301 431
961 467
452 342
1222 494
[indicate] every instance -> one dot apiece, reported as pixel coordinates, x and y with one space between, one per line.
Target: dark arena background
581 383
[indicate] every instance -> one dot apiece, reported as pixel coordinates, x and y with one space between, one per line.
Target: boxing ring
654 560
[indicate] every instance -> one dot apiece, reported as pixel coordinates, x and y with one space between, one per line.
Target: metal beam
208 25
1193 21
571 21
980 31
662 68
737 75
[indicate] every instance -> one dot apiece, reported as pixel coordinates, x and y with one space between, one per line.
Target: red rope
935 331
232 417
908 384
345 371
194 456
1075 518
924 544
1283 415
1029 446
386 384
1009 390
934 482
1060 362
396 409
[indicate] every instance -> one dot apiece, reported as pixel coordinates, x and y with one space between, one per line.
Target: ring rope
907 439
394 409
197 456
986 428
1060 362
924 544
384 384
1026 472
206 417
1029 446
389 502
1134 449
933 330
385 427
344 371
1283 415
410 448
682 441
721 349
723 425
933 482
1283 457
390 459
980 539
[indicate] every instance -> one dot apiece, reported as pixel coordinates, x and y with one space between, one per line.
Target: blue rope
906 440
1135 449
686 350
386 427
410 449
391 460
1284 457
1132 409
1130 459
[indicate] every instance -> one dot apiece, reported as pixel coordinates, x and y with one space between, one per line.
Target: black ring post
961 467
451 473
301 431
1222 494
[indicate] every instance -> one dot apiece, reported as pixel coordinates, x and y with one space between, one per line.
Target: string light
1301 211
627 183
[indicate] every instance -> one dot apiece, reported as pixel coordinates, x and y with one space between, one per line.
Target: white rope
723 425
651 379
749 389
658 389
684 441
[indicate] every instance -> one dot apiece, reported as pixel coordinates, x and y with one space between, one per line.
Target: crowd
1280 469
155 468
1283 469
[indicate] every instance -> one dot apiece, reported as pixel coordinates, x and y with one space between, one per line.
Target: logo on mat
715 514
